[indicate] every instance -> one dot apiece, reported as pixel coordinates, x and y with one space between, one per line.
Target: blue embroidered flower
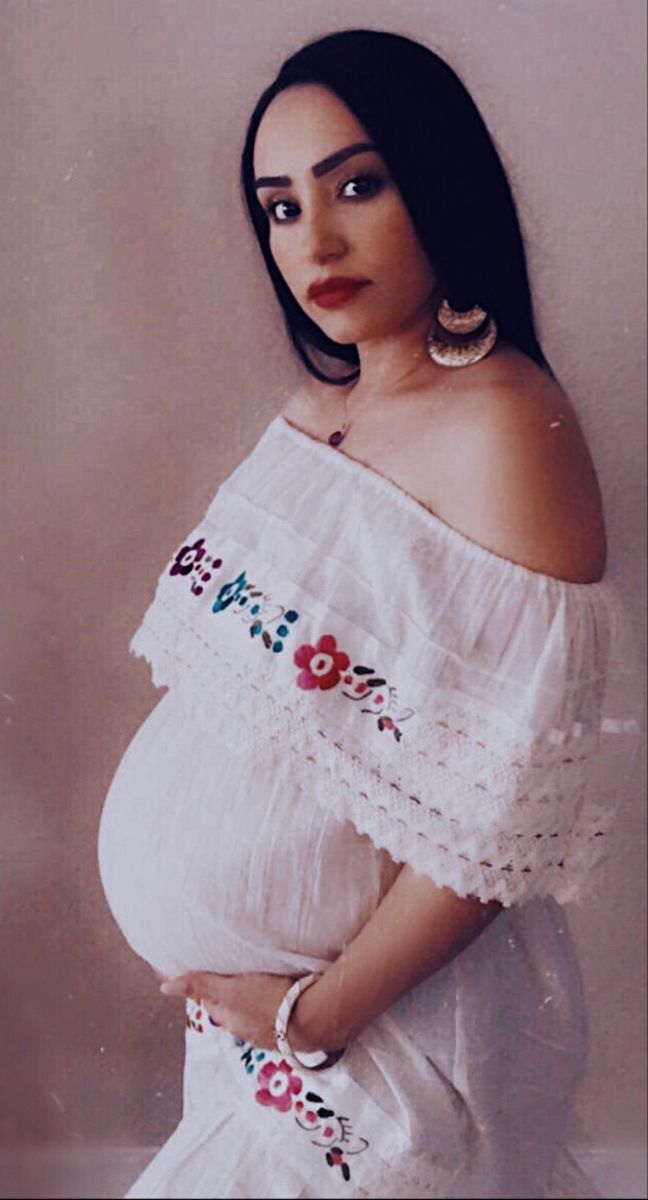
229 593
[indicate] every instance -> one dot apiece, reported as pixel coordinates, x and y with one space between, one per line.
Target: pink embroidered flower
280 1085
321 664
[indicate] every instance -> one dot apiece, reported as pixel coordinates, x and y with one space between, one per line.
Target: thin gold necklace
336 438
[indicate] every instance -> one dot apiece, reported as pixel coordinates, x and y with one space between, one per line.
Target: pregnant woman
401 698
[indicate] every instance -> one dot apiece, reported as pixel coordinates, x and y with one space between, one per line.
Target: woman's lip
334 297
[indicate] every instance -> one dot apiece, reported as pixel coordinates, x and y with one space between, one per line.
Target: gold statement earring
456 321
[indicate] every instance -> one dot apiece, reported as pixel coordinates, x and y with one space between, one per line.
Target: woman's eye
271 210
369 184
372 180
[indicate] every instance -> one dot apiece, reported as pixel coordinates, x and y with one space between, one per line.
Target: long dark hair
440 154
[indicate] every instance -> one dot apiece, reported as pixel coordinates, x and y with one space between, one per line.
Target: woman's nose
321 238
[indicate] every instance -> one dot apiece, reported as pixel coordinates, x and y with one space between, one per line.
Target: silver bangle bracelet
315 1060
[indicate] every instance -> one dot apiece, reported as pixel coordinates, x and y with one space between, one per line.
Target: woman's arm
524 466
417 928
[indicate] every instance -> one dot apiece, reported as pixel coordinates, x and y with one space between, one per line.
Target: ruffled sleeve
515 739
476 719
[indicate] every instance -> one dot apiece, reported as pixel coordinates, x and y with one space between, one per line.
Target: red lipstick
329 293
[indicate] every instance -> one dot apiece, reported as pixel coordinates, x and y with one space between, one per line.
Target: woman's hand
245 1004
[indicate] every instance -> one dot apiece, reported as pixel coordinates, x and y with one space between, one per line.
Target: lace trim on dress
477 808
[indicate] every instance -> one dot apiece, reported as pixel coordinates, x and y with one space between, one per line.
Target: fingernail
167 988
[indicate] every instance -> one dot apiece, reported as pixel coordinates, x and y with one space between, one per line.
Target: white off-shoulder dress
352 684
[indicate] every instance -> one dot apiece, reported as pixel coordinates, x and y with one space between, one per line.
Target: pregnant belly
150 835
210 861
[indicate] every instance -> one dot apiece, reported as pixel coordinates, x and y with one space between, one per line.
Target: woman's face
349 220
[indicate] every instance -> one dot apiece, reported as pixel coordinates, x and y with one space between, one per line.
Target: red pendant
336 438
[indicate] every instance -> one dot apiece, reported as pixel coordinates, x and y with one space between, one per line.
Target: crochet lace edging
359 790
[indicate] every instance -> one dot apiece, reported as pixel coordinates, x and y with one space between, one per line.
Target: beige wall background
143 354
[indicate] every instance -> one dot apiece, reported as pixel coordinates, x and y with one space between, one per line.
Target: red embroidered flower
196 1020
321 664
280 1085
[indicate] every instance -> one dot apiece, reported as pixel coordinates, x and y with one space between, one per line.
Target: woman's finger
181 986
200 985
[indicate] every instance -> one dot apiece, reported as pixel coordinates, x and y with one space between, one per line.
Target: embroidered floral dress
352 684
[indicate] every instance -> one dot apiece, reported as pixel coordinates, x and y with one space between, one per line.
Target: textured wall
129 392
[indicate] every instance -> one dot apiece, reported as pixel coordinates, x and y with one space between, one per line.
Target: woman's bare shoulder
515 473
504 460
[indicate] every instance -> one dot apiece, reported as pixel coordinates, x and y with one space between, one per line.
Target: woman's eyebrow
320 168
